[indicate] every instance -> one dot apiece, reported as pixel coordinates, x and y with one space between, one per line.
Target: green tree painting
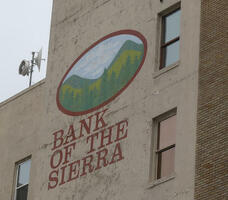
79 94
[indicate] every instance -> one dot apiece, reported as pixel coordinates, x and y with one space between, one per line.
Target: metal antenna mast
31 70
26 67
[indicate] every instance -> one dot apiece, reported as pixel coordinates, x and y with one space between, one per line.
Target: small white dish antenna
26 67
38 59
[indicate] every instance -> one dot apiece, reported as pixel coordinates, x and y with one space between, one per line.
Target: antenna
38 59
26 67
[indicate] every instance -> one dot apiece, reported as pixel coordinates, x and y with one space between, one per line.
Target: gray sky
25 27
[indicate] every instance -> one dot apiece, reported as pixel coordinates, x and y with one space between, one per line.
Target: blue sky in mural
93 63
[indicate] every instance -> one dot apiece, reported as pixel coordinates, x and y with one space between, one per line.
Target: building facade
134 105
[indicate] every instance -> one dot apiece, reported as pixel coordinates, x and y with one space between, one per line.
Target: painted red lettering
74 170
100 123
117 153
108 137
87 164
85 125
68 150
53 177
121 132
70 135
58 139
102 157
63 175
59 159
91 140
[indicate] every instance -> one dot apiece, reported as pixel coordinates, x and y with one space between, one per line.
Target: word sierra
103 148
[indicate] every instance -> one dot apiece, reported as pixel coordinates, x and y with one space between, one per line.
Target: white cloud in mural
93 63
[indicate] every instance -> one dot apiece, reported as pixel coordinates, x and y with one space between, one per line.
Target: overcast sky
24 27
93 63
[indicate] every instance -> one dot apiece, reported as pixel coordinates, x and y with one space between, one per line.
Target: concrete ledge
166 69
160 181
22 92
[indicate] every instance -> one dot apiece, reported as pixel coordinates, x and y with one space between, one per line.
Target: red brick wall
211 181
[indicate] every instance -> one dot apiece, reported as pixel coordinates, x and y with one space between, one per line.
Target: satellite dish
38 59
24 67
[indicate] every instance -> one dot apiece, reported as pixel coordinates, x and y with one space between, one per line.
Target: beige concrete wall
20 127
75 26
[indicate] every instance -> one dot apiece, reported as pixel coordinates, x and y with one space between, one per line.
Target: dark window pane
167 132
171 53
166 163
23 173
172 26
22 193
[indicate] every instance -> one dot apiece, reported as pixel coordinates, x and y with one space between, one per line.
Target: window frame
163 45
155 169
17 167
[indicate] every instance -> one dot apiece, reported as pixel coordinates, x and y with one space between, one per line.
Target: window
164 145
170 38
22 180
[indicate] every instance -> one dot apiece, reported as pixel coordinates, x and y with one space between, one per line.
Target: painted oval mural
101 72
